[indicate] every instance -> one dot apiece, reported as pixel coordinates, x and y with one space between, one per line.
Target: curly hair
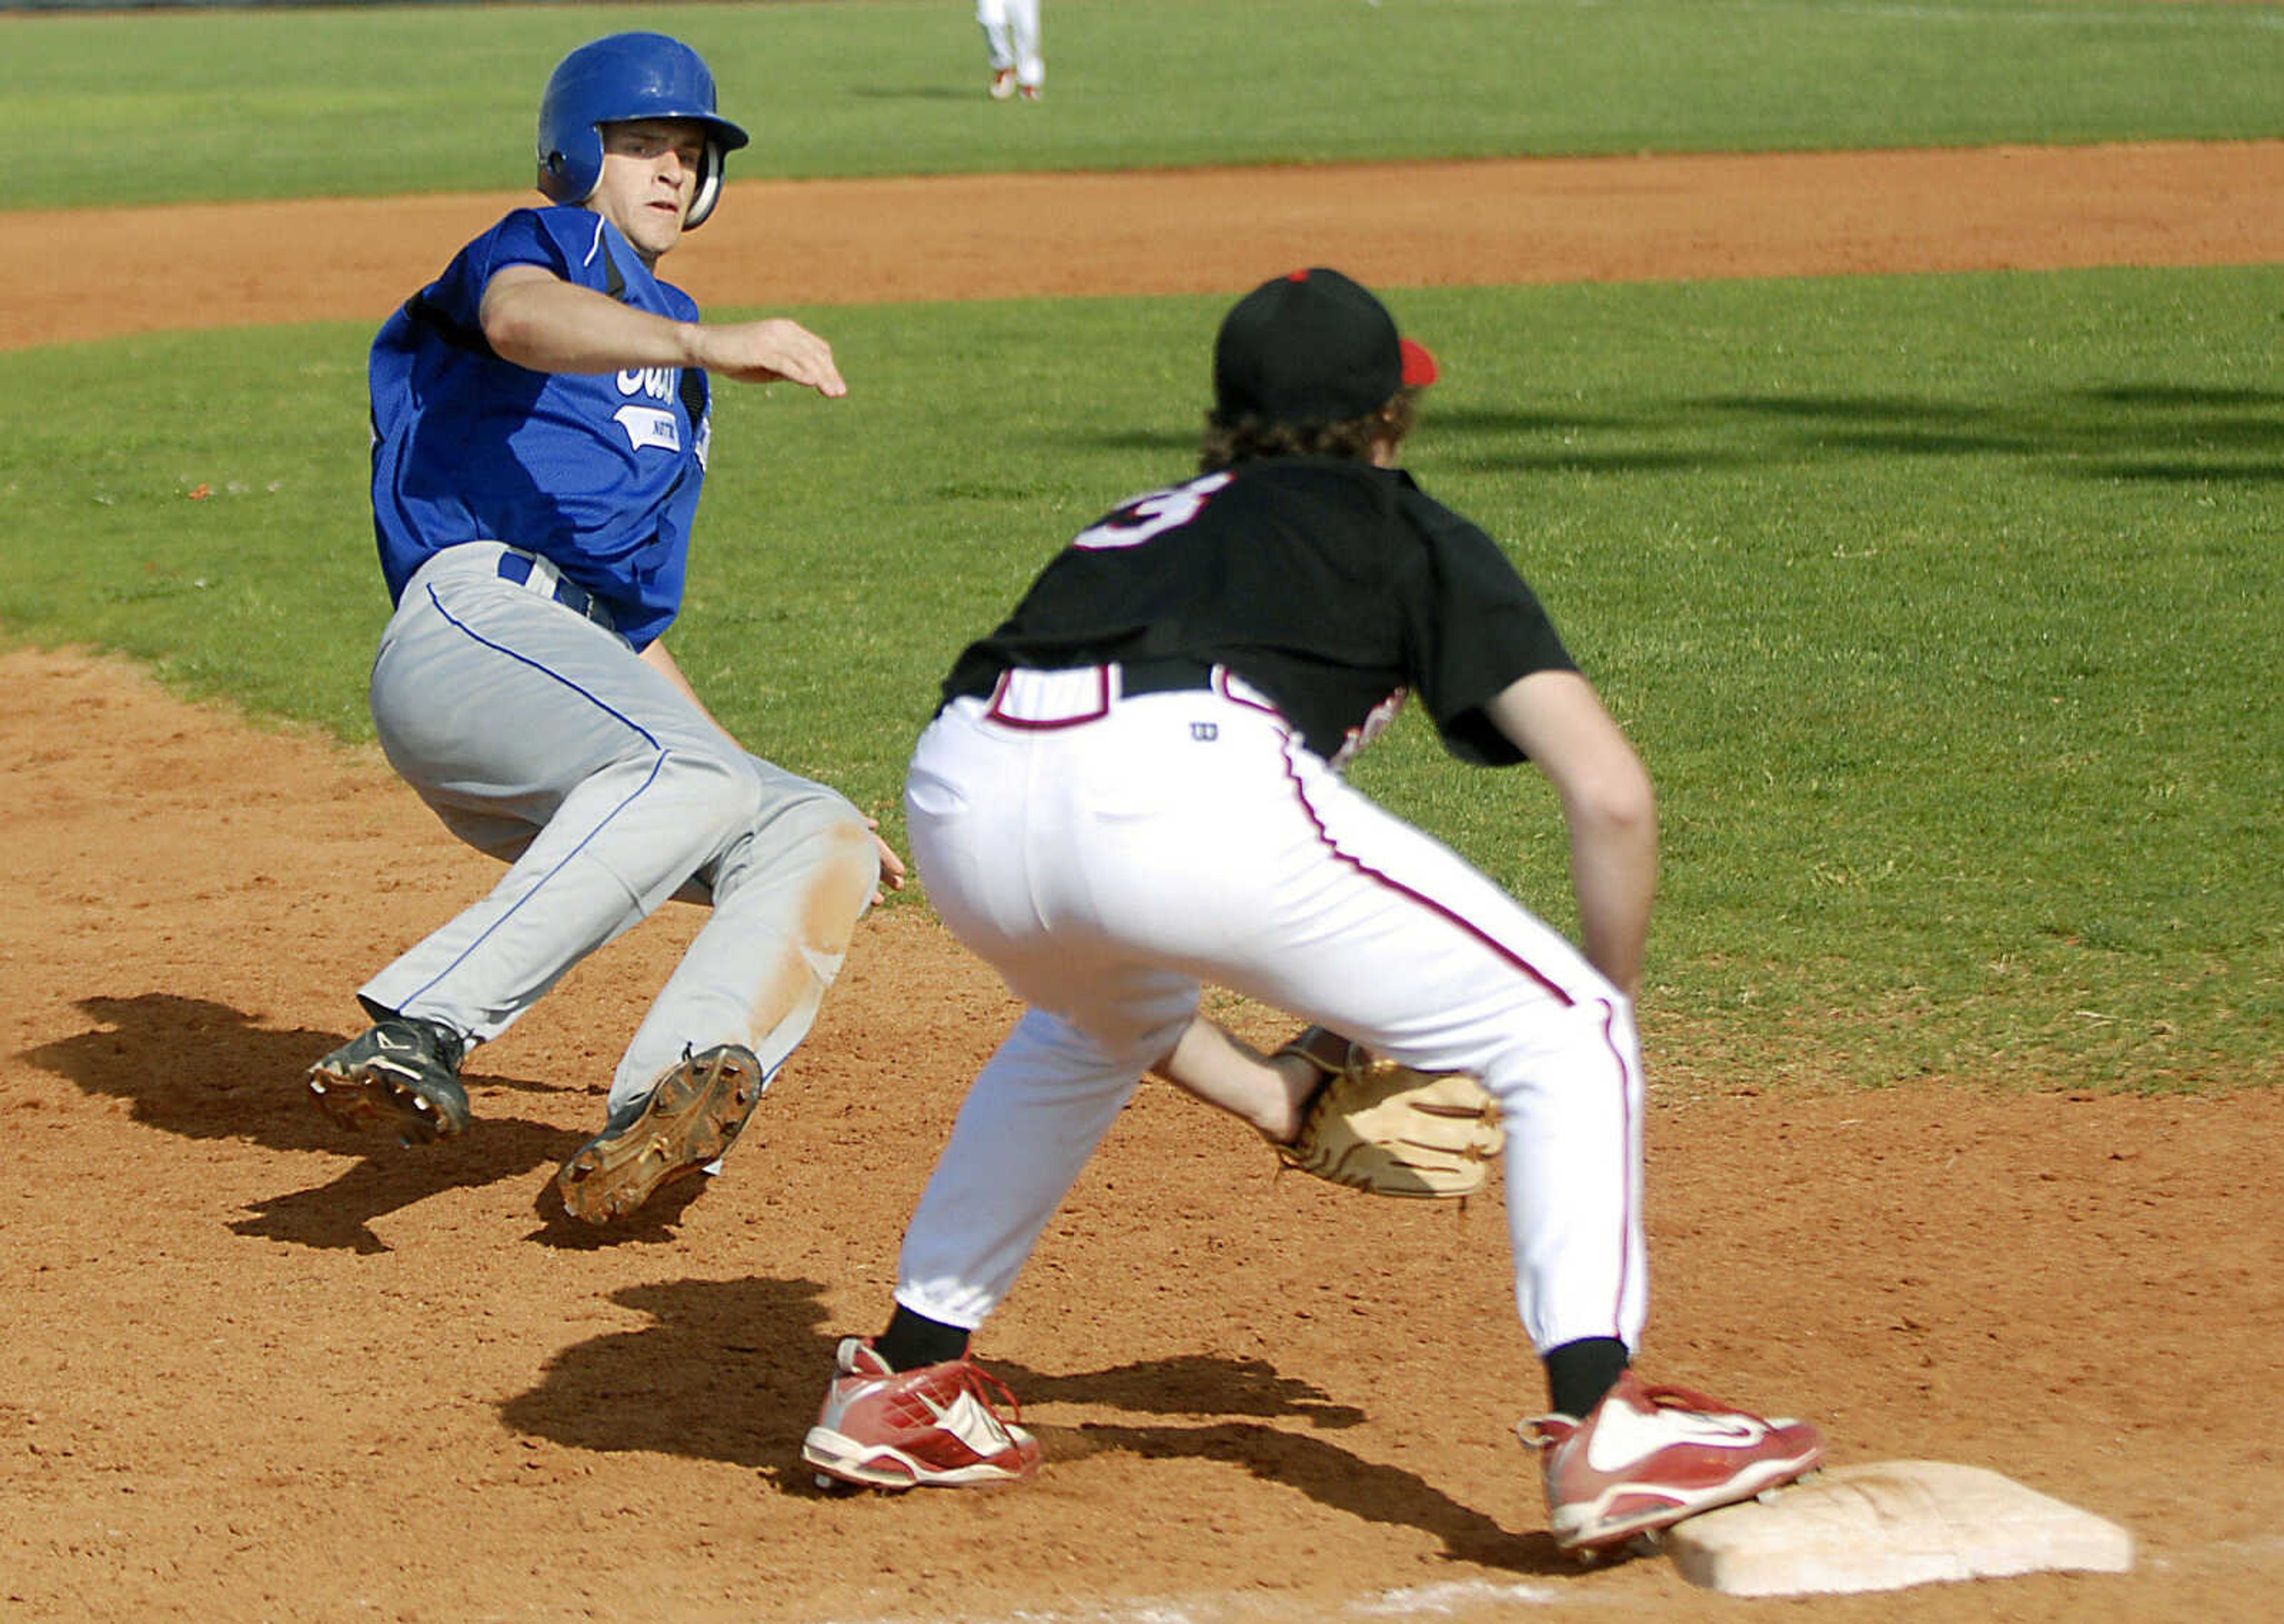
1250 438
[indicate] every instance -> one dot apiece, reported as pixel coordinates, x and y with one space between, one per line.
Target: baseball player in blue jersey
541 433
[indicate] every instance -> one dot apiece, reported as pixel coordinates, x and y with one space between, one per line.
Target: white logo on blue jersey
648 426
655 381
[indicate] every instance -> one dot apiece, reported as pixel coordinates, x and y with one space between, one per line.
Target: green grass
160 107
1943 609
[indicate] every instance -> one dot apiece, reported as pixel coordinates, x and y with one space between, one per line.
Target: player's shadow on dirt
1199 1385
1186 1385
732 1370
205 1071
727 1370
1333 1477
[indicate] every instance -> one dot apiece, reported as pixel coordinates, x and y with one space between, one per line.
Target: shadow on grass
920 92
2123 431
2126 430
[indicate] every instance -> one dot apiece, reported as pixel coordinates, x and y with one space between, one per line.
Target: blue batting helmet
619 77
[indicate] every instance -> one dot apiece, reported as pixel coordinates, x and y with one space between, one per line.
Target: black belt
1174 674
516 566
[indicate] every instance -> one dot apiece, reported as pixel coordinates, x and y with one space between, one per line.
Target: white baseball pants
1108 855
1011 38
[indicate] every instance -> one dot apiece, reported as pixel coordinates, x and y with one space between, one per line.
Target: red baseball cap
1312 345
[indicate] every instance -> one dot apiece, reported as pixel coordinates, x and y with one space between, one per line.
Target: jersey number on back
1153 515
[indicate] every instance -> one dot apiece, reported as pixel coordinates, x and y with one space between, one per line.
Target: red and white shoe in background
1648 1457
1003 83
936 1426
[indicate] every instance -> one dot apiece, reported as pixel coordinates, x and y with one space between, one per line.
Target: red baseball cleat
936 1426
1646 1457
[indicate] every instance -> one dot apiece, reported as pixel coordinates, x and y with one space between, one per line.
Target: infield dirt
261 1370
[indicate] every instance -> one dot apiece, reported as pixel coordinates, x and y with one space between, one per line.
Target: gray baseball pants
541 738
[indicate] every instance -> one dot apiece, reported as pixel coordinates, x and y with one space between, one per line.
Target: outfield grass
1944 608
158 107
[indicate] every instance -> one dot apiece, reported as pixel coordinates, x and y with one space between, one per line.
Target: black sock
913 1340
1579 1373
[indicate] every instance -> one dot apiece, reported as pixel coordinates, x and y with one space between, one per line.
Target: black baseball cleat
403 1074
689 1120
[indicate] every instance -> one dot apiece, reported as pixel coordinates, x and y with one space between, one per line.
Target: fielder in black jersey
1133 788
1333 586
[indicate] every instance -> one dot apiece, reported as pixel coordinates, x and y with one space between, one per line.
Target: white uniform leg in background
1011 38
1108 867
541 738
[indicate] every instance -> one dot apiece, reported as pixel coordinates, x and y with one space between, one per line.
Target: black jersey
1332 586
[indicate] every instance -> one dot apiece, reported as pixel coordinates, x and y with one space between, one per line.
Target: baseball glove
1377 1125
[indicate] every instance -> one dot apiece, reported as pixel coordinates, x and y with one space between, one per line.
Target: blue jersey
597 472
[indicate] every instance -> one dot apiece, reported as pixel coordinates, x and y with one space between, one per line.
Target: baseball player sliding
541 428
1134 786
